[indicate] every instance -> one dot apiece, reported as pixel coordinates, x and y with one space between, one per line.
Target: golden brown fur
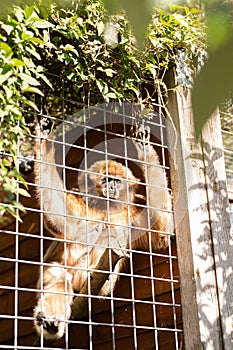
91 223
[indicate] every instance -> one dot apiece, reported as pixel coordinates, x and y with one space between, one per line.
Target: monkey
103 213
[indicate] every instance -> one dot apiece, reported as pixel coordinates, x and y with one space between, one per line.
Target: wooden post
220 225
204 261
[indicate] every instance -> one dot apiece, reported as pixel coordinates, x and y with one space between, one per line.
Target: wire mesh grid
142 309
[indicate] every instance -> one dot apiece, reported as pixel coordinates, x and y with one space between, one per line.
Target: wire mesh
143 310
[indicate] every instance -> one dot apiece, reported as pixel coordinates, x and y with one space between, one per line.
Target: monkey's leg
99 281
110 283
54 305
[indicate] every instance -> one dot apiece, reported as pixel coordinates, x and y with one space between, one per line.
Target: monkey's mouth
112 194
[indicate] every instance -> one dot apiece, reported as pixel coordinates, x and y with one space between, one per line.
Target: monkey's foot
53 328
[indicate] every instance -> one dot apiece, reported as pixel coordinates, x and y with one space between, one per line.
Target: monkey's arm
65 213
49 188
158 197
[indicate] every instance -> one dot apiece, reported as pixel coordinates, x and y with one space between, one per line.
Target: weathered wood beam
204 284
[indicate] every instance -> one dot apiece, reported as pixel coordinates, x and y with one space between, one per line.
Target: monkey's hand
44 142
44 127
142 143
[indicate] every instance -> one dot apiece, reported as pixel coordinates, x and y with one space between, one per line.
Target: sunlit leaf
111 95
23 192
41 23
33 90
19 14
6 48
30 80
16 62
8 29
4 77
32 104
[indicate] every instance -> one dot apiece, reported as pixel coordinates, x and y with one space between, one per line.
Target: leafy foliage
176 38
97 60
20 75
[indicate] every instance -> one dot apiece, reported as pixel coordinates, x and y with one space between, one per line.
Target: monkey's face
111 187
110 180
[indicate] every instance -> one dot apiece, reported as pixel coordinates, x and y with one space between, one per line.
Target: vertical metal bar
148 204
89 247
16 260
130 239
169 240
41 240
109 235
65 272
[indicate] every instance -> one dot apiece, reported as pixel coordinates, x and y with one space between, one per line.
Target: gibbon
102 214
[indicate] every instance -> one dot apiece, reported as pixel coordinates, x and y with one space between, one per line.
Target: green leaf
136 91
21 179
33 90
29 11
100 84
152 69
23 192
27 35
5 76
16 62
32 104
111 95
11 210
46 80
8 91
103 87
18 12
33 52
100 27
8 29
5 47
108 71
30 80
41 23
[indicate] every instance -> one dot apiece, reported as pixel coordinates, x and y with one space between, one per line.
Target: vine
92 51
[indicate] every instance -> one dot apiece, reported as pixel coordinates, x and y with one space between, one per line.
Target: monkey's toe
51 326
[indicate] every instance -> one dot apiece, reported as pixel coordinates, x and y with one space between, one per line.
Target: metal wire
134 324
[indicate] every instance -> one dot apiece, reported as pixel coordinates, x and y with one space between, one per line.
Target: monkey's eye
110 179
103 180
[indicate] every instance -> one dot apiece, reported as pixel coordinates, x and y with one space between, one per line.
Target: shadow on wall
215 245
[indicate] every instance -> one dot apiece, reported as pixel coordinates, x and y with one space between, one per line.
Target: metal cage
144 310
